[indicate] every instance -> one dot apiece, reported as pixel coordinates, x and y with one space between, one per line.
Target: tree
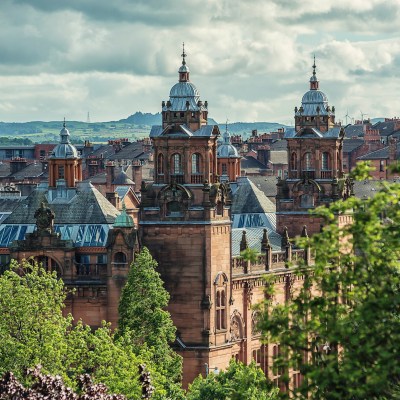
342 328
144 319
33 331
238 382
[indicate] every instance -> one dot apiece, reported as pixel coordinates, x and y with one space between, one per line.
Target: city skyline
250 60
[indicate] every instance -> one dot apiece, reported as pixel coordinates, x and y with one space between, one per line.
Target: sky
250 59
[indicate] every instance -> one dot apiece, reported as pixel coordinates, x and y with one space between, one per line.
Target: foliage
238 382
144 319
33 331
249 254
52 388
342 328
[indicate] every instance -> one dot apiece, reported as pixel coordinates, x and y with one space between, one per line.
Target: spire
183 54
226 135
64 133
184 69
314 80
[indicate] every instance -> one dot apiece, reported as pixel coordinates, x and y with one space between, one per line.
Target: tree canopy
144 319
341 329
238 382
33 331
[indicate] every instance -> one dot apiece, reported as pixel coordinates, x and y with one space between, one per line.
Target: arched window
325 161
177 164
308 166
195 163
160 164
293 162
120 258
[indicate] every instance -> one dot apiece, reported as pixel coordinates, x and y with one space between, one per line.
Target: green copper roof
123 220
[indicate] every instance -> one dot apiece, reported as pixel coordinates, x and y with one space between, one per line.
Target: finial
64 124
244 244
183 54
226 125
265 243
285 238
314 66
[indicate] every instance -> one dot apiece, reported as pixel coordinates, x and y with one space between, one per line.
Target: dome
314 96
226 149
314 102
123 220
184 68
64 149
182 92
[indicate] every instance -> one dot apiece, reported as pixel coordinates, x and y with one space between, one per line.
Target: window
61 173
224 169
160 164
308 162
381 165
293 162
120 258
195 163
177 164
221 309
325 161
82 264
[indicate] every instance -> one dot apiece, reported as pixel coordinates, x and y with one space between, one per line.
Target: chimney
137 174
110 174
113 198
17 164
392 149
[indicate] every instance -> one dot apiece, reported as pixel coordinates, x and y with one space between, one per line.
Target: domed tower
315 173
228 163
185 223
64 162
184 105
314 111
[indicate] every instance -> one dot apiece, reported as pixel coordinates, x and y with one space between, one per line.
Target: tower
65 165
314 111
186 226
315 175
228 163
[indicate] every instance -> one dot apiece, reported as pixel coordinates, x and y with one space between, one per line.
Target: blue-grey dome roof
184 68
64 149
226 149
314 102
182 92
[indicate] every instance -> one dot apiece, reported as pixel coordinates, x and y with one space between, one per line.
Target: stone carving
44 220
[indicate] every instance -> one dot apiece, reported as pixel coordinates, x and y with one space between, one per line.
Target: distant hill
140 118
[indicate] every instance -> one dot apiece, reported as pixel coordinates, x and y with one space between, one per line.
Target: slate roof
250 164
5 169
279 145
106 150
367 188
380 154
33 170
254 236
88 206
386 128
267 184
354 131
204 131
247 198
351 144
132 151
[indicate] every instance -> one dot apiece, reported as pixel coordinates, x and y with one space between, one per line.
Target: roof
386 128
33 170
247 198
380 154
254 236
87 206
351 144
308 132
311 101
267 184
280 144
354 130
204 131
131 151
251 165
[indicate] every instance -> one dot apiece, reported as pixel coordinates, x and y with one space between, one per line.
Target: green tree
342 328
144 319
33 331
238 382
